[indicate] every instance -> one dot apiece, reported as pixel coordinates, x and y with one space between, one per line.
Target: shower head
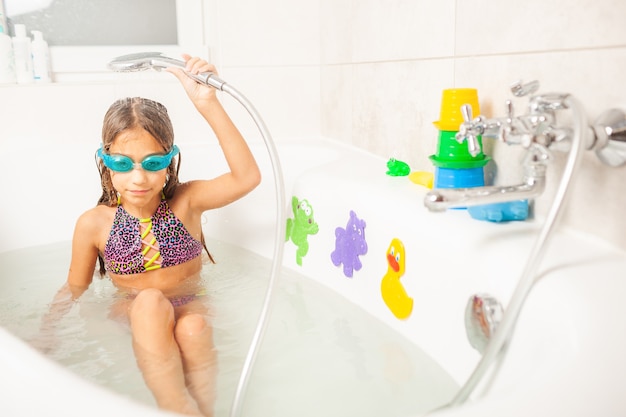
157 61
143 61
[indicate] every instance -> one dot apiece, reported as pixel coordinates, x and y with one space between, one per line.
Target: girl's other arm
84 255
82 266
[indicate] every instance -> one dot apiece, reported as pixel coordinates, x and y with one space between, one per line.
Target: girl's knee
190 325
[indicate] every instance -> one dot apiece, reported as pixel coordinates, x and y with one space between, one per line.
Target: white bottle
7 63
41 58
23 56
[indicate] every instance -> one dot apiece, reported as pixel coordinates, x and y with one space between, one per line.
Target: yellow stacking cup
450 117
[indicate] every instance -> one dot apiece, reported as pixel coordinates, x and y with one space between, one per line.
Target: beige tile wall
384 64
370 73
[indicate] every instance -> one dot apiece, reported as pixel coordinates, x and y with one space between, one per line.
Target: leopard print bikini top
138 245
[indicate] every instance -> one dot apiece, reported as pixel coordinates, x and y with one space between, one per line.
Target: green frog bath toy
396 168
300 227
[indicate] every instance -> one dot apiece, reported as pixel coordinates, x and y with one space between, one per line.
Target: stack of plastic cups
455 167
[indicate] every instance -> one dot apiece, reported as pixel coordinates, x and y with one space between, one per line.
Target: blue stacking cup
459 178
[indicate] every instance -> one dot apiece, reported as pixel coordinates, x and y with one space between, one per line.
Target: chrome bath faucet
538 131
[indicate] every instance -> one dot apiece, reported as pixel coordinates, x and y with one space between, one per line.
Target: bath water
321 354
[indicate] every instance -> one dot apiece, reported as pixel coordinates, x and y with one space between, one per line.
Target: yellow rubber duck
394 294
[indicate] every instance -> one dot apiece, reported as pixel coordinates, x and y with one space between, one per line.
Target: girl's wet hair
130 113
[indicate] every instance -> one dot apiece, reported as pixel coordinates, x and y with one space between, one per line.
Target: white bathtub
566 357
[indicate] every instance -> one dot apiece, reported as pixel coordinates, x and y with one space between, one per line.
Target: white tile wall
270 51
384 64
268 33
421 29
487 27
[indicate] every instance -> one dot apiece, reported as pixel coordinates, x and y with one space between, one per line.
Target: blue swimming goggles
122 163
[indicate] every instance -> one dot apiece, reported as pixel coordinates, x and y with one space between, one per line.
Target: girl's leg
157 353
195 339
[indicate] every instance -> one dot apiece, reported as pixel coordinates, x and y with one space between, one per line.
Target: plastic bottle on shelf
41 58
23 56
3 18
7 63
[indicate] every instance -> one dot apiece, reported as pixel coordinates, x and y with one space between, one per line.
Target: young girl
146 233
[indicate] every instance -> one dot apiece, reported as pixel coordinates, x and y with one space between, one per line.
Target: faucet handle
470 129
610 132
520 90
466 112
510 113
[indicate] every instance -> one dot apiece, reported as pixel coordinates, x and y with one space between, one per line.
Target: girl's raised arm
244 174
